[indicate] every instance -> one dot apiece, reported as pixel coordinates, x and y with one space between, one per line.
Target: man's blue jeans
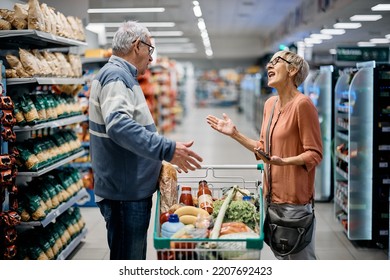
127 225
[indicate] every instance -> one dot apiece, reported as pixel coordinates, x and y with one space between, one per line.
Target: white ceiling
242 30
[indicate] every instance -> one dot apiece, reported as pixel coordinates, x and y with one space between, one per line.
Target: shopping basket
218 177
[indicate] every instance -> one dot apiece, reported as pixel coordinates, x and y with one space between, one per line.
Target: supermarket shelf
30 38
86 60
81 195
342 173
54 123
342 136
53 166
45 81
72 245
81 165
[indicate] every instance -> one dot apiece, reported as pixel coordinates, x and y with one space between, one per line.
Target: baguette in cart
229 228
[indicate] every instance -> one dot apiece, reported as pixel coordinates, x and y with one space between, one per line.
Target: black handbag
285 235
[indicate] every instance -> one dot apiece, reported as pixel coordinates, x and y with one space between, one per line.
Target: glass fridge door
361 98
341 138
322 97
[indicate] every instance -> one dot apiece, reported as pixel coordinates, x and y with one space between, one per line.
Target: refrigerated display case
319 87
250 91
361 143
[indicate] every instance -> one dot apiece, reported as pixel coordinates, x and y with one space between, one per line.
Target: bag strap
267 151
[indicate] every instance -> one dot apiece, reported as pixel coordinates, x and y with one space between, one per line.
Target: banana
188 219
191 210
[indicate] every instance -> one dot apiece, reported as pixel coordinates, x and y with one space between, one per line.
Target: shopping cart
219 177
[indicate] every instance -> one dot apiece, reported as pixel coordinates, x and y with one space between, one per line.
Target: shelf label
383 164
386 129
384 147
386 181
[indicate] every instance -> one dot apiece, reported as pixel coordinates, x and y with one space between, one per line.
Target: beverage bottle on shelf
171 226
186 196
205 199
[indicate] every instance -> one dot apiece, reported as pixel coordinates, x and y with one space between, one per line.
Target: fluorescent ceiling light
387 36
201 24
177 50
125 10
171 40
197 11
347 25
147 24
110 34
366 44
166 33
381 7
379 40
321 36
333 51
332 31
365 17
312 41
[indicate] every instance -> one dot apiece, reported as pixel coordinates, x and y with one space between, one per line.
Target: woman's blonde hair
298 63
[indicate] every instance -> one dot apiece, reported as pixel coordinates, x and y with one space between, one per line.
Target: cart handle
259 166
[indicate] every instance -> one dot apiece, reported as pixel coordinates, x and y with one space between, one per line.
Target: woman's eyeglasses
151 48
276 60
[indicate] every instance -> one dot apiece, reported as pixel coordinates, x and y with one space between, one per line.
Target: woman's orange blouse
295 130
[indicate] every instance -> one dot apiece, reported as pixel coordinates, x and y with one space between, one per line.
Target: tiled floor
331 242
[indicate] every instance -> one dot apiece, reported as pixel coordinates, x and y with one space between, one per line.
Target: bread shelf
29 38
45 81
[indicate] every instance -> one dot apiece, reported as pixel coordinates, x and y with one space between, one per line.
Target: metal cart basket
218 177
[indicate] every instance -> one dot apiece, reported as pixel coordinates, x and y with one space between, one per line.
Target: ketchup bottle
186 196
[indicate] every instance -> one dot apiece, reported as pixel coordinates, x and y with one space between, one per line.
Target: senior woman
294 143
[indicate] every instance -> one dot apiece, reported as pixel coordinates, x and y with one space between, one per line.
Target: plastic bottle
205 198
171 226
186 196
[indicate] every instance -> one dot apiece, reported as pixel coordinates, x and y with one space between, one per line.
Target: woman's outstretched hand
225 125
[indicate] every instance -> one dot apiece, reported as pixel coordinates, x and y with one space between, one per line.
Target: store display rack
11 39
32 39
362 152
72 245
52 166
45 81
51 124
82 195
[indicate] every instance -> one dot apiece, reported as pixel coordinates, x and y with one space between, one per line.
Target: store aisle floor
331 242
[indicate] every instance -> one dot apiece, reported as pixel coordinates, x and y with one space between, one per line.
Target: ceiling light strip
146 24
381 7
125 10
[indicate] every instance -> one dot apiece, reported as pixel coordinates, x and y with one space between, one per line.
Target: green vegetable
239 211
221 214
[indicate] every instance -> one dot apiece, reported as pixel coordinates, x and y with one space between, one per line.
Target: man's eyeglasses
276 60
151 48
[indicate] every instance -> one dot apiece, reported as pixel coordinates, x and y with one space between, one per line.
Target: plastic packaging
205 199
186 196
171 226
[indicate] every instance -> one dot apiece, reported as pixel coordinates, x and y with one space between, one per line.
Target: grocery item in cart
186 196
172 226
205 199
168 187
